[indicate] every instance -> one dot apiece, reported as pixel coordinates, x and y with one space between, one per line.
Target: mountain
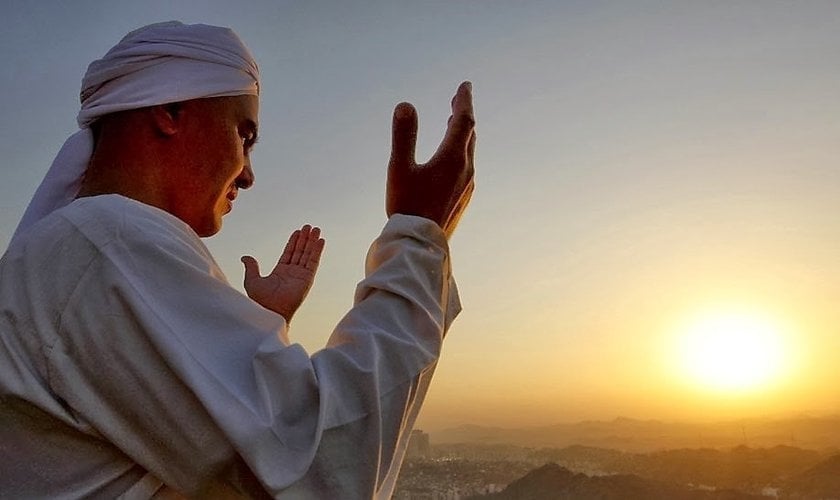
552 482
627 434
742 468
819 482
586 459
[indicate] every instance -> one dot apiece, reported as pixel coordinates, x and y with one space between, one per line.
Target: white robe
127 358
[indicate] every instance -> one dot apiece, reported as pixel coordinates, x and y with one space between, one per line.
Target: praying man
130 368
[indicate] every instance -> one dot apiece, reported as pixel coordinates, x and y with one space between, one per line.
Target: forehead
240 107
243 106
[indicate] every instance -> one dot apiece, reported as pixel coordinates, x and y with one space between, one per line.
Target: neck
121 148
126 168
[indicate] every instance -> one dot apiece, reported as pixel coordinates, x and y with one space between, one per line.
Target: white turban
157 64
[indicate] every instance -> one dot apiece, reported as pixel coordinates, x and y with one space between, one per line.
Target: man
129 367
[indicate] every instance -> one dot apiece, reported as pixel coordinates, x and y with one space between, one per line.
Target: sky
642 167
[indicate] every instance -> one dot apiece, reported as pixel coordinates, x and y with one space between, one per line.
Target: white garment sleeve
162 358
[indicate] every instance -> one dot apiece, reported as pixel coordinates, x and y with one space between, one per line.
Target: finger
310 245
462 122
471 154
252 267
404 133
463 90
315 257
300 244
286 257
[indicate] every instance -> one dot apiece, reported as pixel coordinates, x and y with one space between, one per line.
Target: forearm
402 310
374 374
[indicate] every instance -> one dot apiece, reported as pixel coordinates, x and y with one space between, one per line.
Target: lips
231 196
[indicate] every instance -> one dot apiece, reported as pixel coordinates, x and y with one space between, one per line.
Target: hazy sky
639 163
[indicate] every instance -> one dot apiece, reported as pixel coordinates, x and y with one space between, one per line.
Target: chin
211 232
207 230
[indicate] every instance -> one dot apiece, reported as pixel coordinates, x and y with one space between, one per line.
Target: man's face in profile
213 144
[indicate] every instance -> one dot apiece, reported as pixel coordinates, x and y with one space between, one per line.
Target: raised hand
440 189
284 289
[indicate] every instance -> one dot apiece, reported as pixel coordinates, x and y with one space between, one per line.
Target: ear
167 118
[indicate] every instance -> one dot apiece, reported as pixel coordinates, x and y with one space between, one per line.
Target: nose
245 179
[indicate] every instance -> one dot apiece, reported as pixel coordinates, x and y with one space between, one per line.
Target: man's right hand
284 289
439 190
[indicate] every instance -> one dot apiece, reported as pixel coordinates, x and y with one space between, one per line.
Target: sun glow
732 351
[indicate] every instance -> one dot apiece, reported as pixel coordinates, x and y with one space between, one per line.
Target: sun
731 351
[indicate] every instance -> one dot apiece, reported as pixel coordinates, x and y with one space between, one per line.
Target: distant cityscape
763 459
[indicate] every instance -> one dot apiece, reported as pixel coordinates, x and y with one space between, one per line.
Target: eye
248 140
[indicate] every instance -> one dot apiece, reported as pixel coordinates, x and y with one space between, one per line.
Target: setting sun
731 351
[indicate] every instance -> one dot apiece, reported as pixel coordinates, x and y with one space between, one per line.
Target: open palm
285 288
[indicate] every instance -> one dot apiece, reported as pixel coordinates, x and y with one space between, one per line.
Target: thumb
403 134
252 267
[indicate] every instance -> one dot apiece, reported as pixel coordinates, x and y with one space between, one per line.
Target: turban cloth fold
156 64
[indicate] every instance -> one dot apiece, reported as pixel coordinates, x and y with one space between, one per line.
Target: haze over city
656 224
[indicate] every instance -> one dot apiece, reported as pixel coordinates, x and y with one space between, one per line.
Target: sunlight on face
731 351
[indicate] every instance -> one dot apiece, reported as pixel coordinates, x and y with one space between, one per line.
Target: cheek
235 151
227 162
